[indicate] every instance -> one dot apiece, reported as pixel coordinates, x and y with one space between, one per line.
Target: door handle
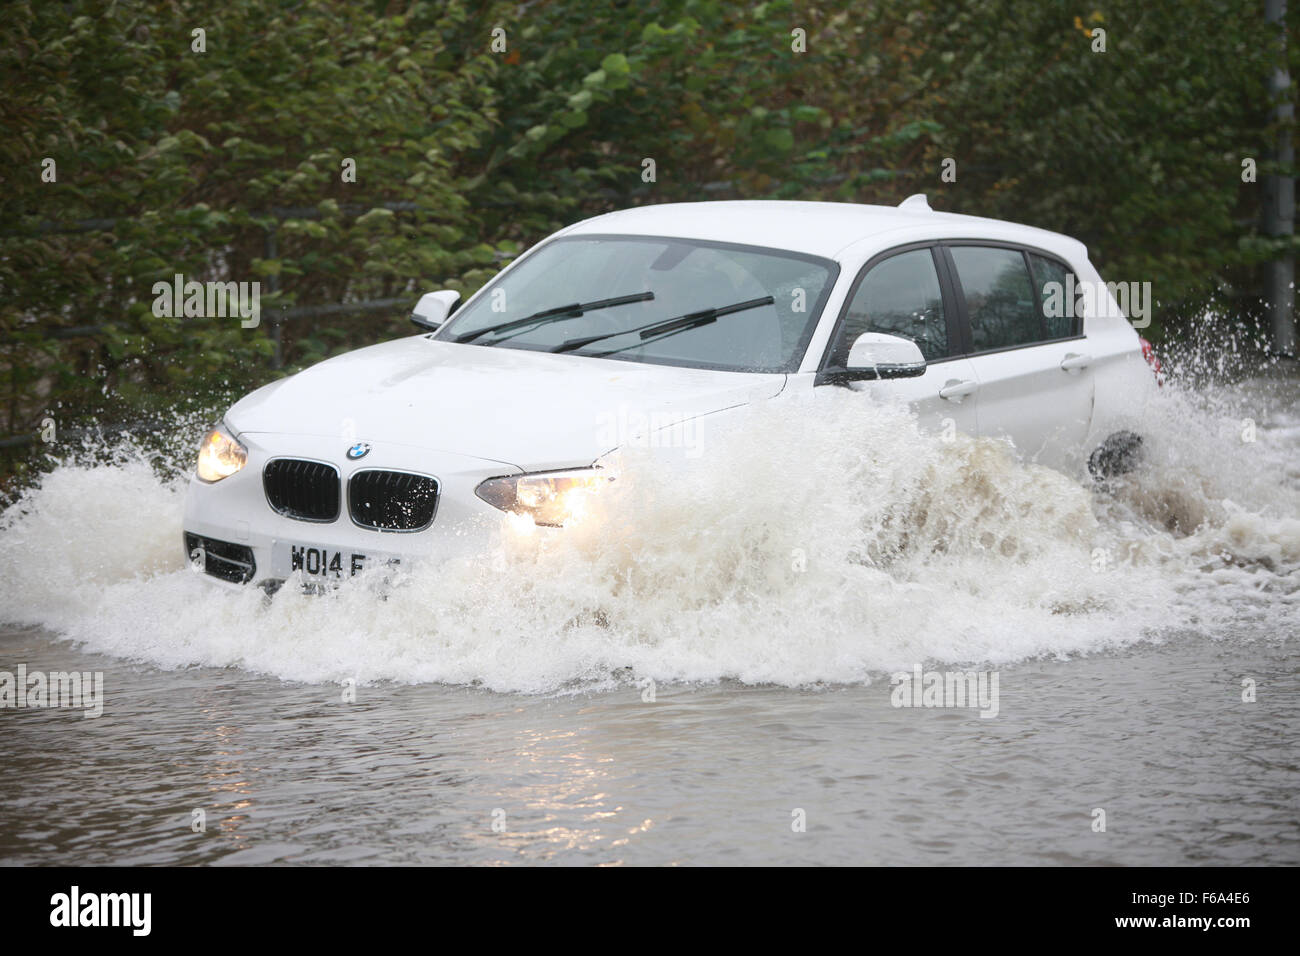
1074 361
956 389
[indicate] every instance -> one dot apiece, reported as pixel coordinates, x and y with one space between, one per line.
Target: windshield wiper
691 320
555 314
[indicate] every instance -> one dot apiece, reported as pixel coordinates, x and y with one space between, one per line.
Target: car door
1031 364
905 292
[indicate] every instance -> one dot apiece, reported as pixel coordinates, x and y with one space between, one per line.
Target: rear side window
1001 301
899 296
1051 286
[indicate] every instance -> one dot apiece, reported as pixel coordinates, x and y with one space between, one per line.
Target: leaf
614 64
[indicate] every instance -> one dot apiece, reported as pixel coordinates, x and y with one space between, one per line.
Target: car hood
533 410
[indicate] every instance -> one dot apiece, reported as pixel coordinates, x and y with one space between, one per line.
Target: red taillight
1149 353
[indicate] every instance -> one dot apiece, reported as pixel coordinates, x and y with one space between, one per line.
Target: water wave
841 544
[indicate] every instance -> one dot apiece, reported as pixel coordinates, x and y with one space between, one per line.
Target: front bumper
241 539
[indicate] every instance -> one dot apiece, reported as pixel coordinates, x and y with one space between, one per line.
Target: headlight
220 456
551 498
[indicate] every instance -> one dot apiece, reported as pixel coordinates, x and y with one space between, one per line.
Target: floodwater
710 684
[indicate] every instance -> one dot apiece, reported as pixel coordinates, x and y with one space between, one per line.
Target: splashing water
843 544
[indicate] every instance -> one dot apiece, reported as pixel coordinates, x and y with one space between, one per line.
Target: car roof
816 228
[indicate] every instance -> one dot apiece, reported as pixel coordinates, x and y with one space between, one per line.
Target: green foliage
190 161
190 154
1136 150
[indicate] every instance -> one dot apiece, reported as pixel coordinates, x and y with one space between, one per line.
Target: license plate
320 563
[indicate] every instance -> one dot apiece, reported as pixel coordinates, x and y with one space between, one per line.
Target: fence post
273 283
1279 193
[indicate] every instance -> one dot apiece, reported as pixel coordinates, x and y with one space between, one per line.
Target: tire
1118 455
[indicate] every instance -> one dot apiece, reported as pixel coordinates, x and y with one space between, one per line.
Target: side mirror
433 308
876 355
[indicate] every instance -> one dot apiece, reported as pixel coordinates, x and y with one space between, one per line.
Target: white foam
912 550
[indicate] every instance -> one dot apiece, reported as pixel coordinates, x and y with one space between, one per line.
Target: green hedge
187 161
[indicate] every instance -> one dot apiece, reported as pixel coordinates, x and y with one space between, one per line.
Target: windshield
651 280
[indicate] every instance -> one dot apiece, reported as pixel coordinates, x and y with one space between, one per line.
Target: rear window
1058 320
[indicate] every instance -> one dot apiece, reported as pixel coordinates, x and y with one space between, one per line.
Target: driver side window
899 296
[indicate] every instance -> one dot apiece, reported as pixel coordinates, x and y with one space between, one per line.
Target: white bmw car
657 316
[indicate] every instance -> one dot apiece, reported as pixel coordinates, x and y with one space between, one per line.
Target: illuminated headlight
550 498
220 456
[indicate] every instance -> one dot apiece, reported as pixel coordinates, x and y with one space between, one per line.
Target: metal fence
277 318
274 320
